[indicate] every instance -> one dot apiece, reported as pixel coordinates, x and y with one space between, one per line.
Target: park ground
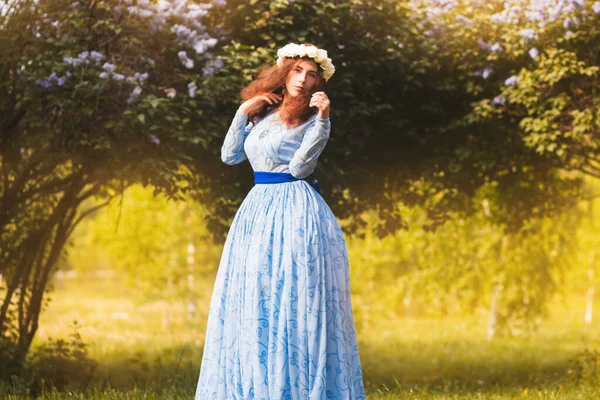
151 349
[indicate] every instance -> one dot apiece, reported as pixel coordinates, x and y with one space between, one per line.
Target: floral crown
319 55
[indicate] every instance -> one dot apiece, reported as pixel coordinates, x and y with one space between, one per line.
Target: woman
280 323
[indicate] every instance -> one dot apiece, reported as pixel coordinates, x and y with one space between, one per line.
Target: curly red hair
273 78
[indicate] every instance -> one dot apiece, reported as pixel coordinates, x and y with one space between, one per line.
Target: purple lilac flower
513 80
528 33
140 77
533 52
43 83
496 48
464 20
499 100
580 3
192 89
567 22
134 94
154 139
483 45
484 72
202 45
208 70
52 80
498 18
108 67
185 60
145 13
96 56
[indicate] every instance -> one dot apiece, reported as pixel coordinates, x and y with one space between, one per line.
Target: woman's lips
298 87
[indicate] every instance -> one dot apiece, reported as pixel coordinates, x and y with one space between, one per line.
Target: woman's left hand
321 101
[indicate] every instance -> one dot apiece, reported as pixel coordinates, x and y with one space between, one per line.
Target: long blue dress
280 323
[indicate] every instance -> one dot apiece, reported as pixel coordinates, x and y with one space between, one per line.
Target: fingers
271 97
319 100
319 103
320 94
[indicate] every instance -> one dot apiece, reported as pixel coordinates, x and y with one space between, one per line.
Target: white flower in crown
319 55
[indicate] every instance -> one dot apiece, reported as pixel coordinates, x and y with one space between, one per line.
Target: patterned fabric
274 147
280 323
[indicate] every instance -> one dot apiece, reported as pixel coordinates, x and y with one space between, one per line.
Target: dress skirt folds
280 323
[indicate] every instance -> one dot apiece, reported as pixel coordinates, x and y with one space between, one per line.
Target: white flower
596 7
171 92
103 75
310 51
321 56
291 50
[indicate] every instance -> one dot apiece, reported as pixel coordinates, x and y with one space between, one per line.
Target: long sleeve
304 161
232 151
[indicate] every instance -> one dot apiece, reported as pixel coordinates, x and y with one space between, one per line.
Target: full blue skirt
280 324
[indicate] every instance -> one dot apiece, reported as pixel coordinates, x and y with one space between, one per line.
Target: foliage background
462 165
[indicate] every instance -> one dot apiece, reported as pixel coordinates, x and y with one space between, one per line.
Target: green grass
140 357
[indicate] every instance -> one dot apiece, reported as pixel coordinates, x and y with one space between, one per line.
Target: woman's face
302 78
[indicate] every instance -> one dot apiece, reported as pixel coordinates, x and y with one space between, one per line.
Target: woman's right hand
258 100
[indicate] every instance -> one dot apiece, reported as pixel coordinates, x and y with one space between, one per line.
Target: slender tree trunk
589 312
493 318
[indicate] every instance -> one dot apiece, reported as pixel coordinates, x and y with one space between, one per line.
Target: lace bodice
271 146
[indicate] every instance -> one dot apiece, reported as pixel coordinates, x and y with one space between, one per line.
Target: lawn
151 349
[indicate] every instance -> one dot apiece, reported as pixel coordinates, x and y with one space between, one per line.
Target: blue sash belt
278 177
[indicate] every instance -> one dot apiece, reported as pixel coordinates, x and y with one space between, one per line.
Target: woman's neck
282 110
